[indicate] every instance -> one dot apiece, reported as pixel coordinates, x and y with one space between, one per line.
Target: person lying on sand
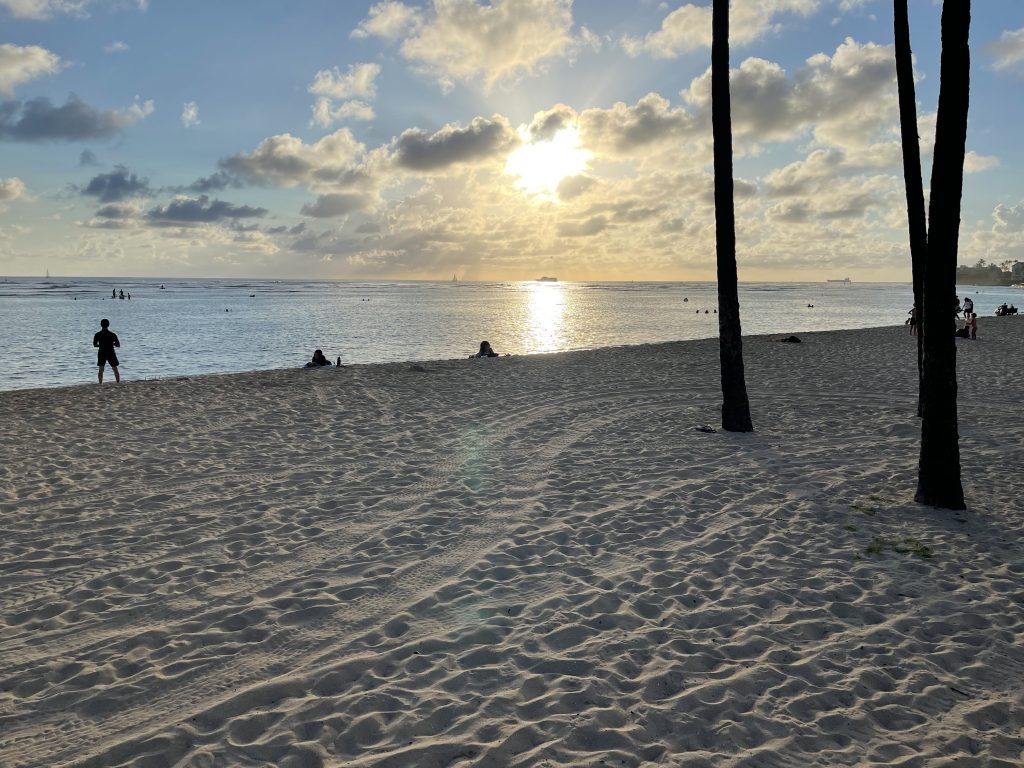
485 350
318 360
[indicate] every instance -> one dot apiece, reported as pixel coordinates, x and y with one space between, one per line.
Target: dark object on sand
786 339
1003 310
417 367
705 428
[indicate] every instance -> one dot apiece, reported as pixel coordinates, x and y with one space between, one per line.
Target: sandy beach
525 561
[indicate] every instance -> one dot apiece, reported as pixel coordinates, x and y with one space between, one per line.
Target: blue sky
495 140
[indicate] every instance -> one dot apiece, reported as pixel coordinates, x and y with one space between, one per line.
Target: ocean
180 327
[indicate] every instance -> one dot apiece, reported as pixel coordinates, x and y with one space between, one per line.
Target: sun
541 165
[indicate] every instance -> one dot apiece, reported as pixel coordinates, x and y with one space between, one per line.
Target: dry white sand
516 562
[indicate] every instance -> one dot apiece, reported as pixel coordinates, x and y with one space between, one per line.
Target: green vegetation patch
867 510
908 545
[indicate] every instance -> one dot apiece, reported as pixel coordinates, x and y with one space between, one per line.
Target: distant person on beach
973 325
957 312
968 306
318 361
912 320
106 340
113 293
485 350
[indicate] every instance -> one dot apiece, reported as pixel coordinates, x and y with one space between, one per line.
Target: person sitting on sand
318 360
485 350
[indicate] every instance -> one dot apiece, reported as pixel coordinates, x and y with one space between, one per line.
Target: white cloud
1008 218
325 113
462 40
975 163
1008 51
42 9
356 83
136 111
847 100
19 64
118 46
190 114
688 28
45 9
389 20
12 189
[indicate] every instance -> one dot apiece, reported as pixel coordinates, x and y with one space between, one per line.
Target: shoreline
526 561
434 361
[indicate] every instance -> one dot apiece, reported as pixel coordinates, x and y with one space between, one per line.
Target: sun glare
546 317
541 165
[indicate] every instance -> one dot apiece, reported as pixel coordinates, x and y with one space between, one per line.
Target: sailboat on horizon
454 278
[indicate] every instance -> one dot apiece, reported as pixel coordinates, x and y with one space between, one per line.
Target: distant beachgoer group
969 330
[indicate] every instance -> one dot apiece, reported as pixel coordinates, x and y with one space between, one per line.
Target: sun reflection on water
547 309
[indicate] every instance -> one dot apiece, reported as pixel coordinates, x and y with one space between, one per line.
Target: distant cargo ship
547 279
842 280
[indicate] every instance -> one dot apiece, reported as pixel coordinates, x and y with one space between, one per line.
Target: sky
494 140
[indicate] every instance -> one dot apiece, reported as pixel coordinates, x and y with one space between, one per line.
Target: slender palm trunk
938 477
912 177
735 406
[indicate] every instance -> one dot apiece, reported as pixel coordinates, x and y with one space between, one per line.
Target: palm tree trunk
912 177
938 477
735 406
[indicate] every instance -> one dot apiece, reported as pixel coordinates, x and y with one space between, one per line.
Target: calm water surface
211 326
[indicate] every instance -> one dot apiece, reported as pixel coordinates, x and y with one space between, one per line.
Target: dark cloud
118 211
116 185
285 161
789 212
88 158
214 183
417 150
626 130
201 210
39 120
335 204
574 186
546 124
298 229
584 228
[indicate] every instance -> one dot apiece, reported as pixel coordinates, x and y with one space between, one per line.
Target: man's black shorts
106 357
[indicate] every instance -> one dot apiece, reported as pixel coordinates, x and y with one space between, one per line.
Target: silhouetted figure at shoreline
106 340
485 350
318 361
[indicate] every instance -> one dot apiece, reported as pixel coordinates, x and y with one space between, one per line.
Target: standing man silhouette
106 340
